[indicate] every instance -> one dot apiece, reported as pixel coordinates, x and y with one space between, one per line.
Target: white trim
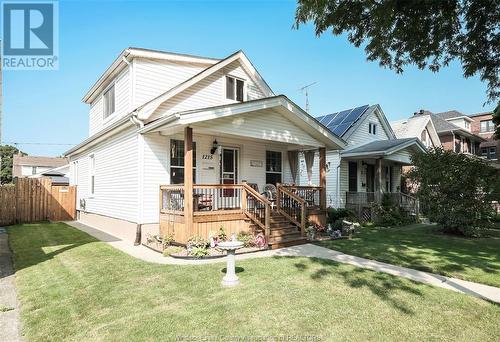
147 109
413 142
130 53
311 125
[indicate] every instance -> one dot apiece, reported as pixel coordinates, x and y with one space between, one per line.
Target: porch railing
292 206
220 199
401 199
310 194
172 199
257 208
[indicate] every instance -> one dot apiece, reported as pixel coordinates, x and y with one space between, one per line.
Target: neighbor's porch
370 179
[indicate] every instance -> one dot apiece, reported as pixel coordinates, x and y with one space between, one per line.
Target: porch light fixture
215 146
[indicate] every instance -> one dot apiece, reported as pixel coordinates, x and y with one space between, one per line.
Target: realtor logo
30 35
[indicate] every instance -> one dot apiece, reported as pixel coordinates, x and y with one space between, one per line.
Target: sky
41 107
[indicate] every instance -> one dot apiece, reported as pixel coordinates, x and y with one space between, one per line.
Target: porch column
322 177
188 179
378 175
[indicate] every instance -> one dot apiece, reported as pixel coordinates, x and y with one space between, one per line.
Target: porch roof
384 147
276 104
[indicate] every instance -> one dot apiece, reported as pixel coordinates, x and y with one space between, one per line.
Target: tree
496 120
455 190
427 33
6 157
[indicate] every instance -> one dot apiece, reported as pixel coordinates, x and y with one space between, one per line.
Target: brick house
483 126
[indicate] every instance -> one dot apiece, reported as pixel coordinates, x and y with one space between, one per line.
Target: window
487 126
33 170
109 101
92 174
177 162
467 125
489 152
353 177
273 167
372 128
234 88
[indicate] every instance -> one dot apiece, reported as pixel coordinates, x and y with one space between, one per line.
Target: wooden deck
239 207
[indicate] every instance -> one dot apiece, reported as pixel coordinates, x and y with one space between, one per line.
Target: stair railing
292 206
257 208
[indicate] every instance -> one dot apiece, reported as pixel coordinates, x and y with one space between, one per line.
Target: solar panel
324 119
343 120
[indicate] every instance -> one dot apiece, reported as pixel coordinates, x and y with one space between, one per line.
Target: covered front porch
244 173
374 172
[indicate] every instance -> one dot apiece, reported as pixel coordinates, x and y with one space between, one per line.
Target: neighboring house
483 126
417 126
24 166
455 133
155 114
371 163
58 175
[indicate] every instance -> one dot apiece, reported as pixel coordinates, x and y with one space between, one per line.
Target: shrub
197 242
247 238
167 240
222 236
455 190
387 213
199 252
337 225
334 214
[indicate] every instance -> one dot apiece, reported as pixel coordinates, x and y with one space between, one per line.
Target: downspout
338 181
140 178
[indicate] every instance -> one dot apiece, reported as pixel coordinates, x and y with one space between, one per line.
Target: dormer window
234 88
372 128
109 101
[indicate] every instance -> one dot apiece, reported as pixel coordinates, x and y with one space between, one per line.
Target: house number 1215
207 156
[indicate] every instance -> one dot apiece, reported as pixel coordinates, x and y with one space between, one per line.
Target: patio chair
270 192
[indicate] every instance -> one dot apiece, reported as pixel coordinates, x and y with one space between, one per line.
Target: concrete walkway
10 327
309 250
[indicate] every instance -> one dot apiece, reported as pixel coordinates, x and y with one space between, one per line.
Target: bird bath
230 279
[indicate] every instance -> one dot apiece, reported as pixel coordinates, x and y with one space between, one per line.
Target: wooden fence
36 199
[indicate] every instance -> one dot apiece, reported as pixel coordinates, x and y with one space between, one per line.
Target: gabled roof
39 161
132 52
293 113
384 147
443 126
345 122
145 110
413 127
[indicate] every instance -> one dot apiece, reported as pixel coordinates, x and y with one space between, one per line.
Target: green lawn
72 287
425 248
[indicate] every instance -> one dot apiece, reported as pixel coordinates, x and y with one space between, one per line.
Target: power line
37 143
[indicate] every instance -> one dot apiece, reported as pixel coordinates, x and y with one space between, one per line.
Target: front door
229 168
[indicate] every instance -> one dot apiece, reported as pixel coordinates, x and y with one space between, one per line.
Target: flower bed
198 247
340 230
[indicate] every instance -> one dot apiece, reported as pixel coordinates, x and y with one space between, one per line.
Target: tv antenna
305 90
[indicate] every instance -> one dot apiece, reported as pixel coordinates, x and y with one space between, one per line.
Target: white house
417 126
153 114
370 164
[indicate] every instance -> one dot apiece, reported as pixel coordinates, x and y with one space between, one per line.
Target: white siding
362 136
122 104
268 125
209 92
156 172
116 177
154 77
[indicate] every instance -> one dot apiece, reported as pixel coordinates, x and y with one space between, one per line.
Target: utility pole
305 90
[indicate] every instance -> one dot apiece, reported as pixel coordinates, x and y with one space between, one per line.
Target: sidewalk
490 293
10 327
